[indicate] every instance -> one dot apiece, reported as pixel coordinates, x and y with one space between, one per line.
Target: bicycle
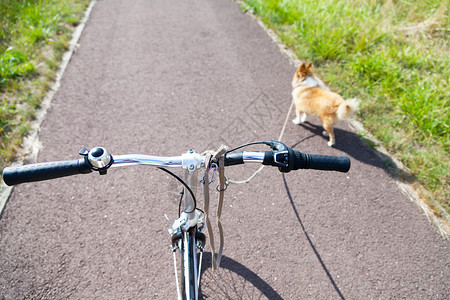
187 236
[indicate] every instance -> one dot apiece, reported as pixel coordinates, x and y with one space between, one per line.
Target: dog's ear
308 70
302 68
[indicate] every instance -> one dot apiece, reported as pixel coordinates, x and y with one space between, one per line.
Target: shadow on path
232 281
324 267
359 148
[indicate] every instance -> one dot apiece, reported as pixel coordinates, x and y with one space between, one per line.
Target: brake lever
282 154
276 146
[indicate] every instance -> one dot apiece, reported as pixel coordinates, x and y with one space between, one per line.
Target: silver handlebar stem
191 162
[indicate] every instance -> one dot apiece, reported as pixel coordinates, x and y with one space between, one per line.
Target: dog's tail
348 108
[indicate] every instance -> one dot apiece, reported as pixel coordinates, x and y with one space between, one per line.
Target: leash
285 121
216 160
279 139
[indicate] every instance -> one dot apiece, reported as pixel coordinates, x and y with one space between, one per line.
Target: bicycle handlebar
98 159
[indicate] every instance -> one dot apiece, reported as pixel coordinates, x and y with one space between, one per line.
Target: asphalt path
160 77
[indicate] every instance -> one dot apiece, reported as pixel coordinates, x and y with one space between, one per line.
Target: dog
311 97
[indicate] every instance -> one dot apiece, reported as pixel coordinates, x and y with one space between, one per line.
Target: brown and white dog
312 97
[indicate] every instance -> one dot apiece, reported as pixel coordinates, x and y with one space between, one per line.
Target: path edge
31 145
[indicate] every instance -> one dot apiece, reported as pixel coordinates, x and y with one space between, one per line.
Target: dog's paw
331 144
303 118
296 121
324 133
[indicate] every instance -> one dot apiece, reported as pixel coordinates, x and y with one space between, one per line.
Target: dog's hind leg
303 117
329 131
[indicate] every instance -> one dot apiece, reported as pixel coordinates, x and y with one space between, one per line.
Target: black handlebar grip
44 171
320 162
232 159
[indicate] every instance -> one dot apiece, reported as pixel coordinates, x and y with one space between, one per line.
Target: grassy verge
34 34
394 56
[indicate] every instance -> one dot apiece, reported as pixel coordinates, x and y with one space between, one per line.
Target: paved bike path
160 77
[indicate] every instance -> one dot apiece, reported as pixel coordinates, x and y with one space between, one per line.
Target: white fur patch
309 82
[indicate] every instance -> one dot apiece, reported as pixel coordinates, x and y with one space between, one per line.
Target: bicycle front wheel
189 265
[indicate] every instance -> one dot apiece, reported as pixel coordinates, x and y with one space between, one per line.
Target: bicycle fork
188 239
187 236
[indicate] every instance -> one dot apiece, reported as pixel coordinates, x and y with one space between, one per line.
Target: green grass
33 37
394 56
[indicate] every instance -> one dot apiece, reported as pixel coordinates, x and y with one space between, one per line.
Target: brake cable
186 186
